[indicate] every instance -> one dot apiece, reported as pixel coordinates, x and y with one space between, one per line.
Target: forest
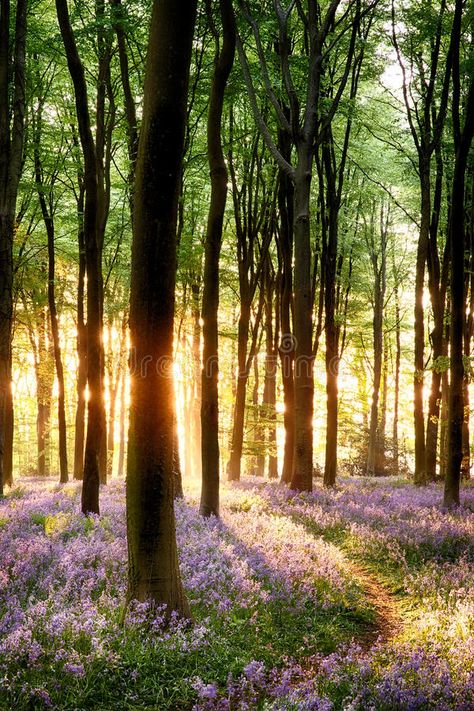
236 322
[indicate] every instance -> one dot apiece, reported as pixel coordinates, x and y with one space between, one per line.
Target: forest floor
353 599
388 621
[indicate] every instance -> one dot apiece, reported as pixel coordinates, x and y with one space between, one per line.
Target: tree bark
96 410
235 461
48 219
463 141
302 477
81 347
375 459
286 346
153 571
210 298
11 155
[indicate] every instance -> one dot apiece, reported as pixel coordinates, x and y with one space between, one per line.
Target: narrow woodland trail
388 622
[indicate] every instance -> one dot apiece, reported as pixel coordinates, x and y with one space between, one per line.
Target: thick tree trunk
153 571
302 478
12 104
210 298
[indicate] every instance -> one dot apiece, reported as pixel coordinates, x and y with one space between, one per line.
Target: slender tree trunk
235 461
9 432
44 393
468 331
375 460
121 455
463 143
196 385
437 283
153 571
398 357
286 346
81 341
210 298
443 436
258 431
48 220
331 335
114 395
96 411
269 391
418 382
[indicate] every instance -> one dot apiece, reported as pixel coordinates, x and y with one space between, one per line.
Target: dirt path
388 622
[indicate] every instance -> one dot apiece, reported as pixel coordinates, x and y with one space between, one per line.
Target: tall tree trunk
463 141
467 338
398 357
235 461
114 384
330 329
48 219
104 120
44 391
96 410
257 430
375 463
418 381
123 412
79 431
269 391
196 385
302 478
286 346
437 283
443 445
210 298
153 571
9 432
11 155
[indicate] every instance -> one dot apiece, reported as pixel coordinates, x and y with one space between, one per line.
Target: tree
92 230
46 200
307 124
426 117
152 552
463 134
12 120
210 297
